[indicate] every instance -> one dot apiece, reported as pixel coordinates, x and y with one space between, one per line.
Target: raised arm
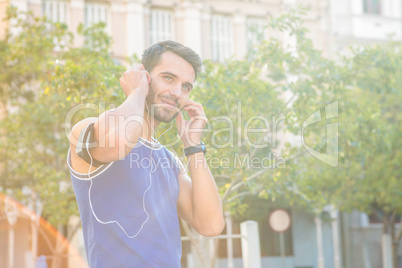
199 201
116 131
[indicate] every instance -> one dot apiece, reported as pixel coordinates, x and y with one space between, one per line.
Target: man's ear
149 77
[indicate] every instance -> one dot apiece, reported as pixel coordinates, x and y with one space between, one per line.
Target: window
254 33
221 37
55 11
95 13
161 25
372 6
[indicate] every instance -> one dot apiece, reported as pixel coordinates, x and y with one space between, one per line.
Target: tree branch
229 190
255 149
237 196
75 229
193 242
294 95
262 171
239 182
221 177
399 235
392 220
44 235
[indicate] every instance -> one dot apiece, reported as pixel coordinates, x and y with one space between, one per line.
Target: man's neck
149 127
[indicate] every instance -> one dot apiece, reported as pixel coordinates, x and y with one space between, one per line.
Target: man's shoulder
177 160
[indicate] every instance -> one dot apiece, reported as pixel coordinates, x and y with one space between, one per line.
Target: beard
160 111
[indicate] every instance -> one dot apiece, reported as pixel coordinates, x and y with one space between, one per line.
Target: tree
68 77
368 177
273 92
239 96
42 79
366 87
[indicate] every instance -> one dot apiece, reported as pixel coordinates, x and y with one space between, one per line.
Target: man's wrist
196 156
139 92
191 143
190 150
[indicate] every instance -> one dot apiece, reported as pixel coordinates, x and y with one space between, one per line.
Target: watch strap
195 149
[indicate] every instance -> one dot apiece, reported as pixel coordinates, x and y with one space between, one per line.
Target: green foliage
368 177
42 77
41 81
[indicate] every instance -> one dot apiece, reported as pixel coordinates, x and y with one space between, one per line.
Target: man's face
171 83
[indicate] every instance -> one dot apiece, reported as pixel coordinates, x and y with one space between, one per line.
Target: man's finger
194 109
180 123
136 67
190 102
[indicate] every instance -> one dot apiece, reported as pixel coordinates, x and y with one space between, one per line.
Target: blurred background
303 98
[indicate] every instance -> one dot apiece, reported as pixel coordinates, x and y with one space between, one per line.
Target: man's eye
187 88
168 78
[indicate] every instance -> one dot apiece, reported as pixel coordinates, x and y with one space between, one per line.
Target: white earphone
143 197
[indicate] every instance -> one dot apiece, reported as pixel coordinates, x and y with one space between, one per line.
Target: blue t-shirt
128 218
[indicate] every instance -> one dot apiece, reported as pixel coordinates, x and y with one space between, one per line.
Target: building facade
220 29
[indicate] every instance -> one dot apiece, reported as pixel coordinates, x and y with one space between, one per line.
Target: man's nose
175 90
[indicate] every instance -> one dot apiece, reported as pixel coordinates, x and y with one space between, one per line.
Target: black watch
195 149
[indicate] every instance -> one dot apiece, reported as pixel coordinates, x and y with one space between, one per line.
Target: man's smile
170 103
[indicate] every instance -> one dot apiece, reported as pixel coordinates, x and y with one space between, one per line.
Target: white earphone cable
143 197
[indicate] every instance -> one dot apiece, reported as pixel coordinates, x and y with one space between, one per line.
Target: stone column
206 33
12 212
36 7
135 27
77 16
335 238
3 24
21 5
250 244
229 241
119 28
386 246
147 25
192 25
356 7
321 262
178 21
240 42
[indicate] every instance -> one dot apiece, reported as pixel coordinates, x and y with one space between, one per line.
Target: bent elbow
213 229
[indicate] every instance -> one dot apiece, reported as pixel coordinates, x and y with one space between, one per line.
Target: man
129 207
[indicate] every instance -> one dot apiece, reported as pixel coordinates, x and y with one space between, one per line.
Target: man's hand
190 131
136 78
199 202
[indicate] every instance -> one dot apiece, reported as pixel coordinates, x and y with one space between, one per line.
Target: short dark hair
152 55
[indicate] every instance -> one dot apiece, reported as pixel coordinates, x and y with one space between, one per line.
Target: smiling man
129 207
